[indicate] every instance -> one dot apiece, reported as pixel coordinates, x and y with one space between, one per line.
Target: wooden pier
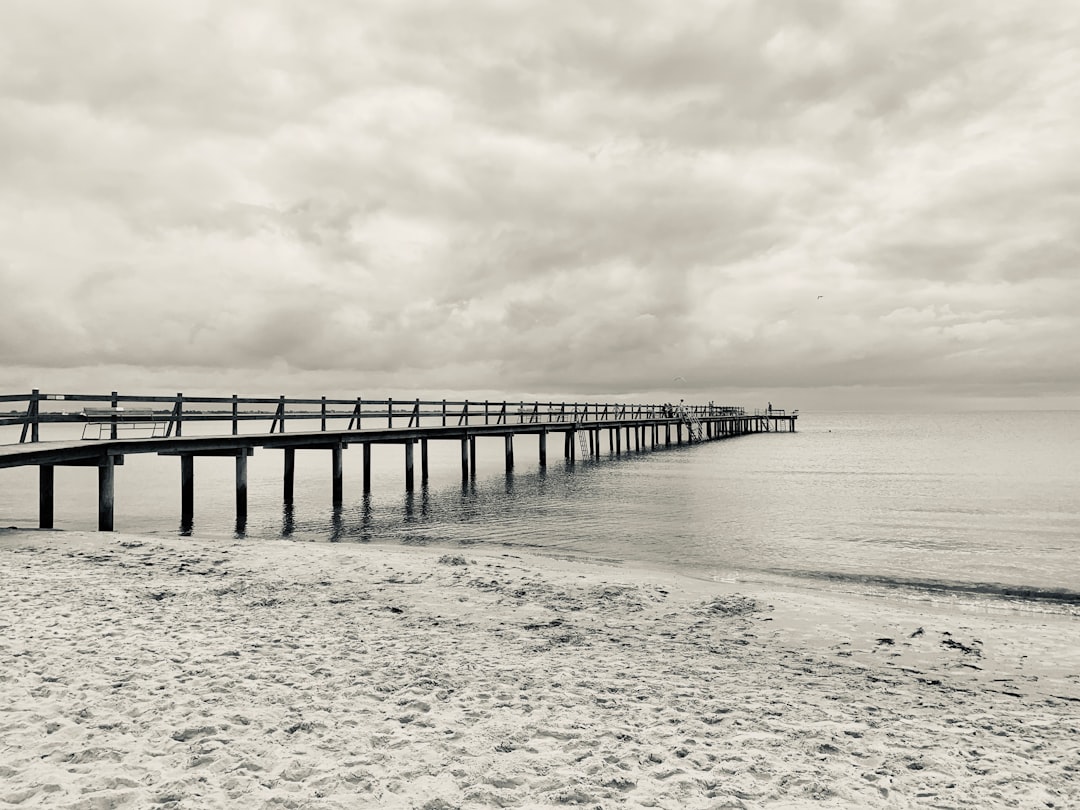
114 426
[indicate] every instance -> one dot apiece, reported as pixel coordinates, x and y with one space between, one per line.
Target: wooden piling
289 476
423 462
187 489
241 489
508 440
337 473
465 458
543 448
46 490
106 480
409 466
367 467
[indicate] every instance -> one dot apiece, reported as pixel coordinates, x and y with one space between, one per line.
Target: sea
975 506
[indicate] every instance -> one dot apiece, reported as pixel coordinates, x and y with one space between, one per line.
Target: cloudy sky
819 203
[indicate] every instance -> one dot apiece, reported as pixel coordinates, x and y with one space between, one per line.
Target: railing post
30 420
444 413
112 427
357 409
322 416
178 414
485 411
390 412
235 415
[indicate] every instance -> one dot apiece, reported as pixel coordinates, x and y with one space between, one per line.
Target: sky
820 204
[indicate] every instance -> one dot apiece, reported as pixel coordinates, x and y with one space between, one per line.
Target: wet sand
147 671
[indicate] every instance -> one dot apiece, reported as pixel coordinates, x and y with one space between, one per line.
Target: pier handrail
182 410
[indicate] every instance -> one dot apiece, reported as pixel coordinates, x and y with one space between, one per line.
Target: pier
186 427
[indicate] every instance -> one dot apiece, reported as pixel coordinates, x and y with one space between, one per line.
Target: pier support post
46 489
423 462
465 459
472 456
241 489
678 432
667 435
290 475
106 479
187 490
543 448
618 441
367 467
409 465
337 475
508 440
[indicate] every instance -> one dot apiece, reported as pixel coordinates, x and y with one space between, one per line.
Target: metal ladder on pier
693 424
583 442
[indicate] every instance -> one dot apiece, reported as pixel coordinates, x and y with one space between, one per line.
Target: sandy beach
158 671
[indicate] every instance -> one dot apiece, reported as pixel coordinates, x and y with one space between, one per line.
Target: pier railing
171 415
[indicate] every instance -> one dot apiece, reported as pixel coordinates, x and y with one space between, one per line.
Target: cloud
489 195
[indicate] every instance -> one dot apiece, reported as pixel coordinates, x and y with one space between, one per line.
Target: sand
166 672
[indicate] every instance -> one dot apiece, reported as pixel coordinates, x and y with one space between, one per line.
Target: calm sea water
944 504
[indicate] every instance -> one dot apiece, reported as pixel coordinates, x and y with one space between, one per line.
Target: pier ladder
693 424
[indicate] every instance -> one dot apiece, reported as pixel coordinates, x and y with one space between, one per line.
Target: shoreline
193 672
